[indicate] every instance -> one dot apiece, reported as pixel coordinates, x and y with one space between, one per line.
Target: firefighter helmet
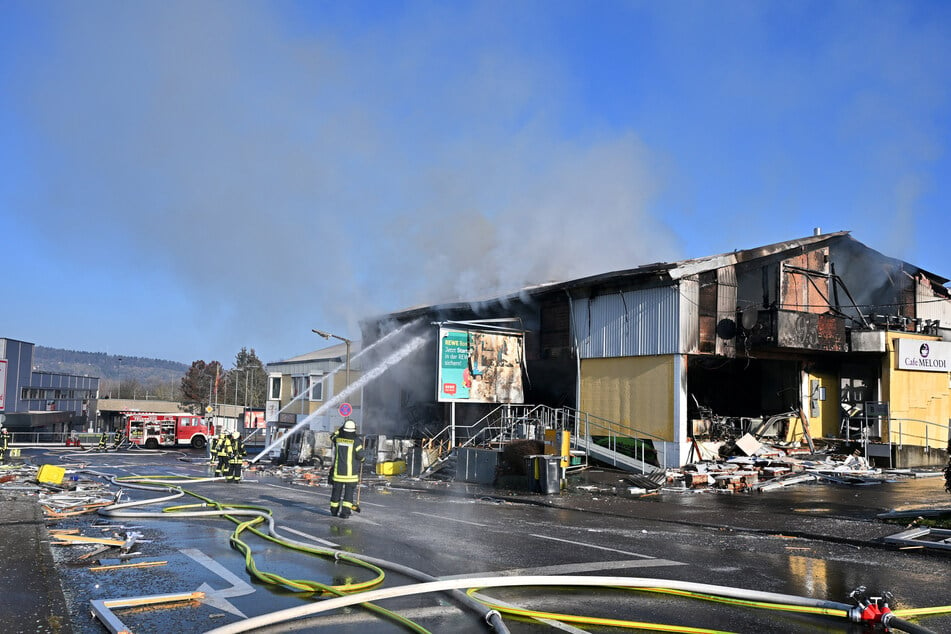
236 434
349 425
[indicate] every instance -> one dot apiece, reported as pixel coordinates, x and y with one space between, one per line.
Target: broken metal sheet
848 479
939 538
749 445
786 481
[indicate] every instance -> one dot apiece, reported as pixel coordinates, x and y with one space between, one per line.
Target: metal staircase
591 436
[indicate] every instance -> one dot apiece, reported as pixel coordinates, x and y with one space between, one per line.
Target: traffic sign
209 409
345 409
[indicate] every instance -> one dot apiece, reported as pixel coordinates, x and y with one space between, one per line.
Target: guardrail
52 438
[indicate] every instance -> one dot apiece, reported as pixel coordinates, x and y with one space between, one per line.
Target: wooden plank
805 429
81 539
141 564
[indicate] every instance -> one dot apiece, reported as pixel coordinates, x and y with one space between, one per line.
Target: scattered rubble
759 467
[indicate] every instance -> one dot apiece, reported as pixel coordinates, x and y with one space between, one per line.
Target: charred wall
402 401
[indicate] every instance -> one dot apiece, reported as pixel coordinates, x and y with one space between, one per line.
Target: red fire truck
167 430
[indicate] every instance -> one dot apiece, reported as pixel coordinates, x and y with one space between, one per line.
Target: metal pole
452 425
251 398
347 341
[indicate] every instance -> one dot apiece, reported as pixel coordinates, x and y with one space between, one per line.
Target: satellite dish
726 329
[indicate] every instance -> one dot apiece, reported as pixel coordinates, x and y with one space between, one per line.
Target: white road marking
587 545
219 598
278 486
310 537
450 519
573 569
320 493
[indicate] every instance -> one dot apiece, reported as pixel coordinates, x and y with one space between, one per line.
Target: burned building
819 337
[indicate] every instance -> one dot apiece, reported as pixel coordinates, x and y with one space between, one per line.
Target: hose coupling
869 609
491 616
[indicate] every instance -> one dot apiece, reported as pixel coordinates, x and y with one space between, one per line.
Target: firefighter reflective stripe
224 446
345 452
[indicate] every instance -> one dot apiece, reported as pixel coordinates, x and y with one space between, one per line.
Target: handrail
584 428
927 437
904 437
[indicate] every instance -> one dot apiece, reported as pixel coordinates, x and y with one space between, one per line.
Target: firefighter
4 443
223 453
236 457
117 439
213 449
347 451
102 442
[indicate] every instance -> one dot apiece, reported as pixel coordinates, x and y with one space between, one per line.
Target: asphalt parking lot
53 592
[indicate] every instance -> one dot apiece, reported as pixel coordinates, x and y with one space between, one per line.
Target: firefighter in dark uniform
117 439
223 453
102 442
4 443
236 457
347 451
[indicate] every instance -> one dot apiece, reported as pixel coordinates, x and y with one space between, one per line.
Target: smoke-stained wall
402 401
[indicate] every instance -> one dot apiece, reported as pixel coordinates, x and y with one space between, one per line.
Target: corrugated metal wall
635 394
633 323
689 315
726 308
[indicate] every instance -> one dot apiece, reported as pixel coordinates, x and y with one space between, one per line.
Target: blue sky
182 179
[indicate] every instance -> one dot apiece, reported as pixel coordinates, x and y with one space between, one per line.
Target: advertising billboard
480 367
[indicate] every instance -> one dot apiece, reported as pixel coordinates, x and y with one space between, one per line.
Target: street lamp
236 386
328 335
249 378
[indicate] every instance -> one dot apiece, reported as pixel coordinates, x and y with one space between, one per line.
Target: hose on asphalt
261 515
898 623
352 594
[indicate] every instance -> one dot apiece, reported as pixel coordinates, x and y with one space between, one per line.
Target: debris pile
765 468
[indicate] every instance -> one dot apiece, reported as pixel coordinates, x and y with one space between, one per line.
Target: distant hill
110 368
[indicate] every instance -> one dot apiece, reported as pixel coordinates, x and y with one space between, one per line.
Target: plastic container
393 467
50 474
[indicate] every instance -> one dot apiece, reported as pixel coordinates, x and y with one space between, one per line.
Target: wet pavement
443 528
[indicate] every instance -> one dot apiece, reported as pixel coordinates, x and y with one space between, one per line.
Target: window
317 391
299 385
275 392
